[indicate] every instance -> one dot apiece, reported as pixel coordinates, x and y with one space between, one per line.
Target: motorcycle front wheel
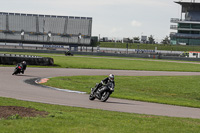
91 97
105 96
15 72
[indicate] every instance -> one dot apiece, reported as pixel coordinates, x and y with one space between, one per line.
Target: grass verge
174 90
92 62
62 119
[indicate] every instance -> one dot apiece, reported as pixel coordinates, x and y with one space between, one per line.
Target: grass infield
174 90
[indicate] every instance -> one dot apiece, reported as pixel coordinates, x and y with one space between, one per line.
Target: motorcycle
102 93
18 69
68 54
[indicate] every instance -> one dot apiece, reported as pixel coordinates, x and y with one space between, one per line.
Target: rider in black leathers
109 79
18 68
24 66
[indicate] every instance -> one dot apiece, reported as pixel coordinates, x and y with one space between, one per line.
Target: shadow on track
32 76
120 103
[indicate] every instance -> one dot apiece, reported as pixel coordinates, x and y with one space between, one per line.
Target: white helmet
24 62
111 77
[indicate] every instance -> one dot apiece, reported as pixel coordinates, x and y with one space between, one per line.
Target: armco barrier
13 59
140 55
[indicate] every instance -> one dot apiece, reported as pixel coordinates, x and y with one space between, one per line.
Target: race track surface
15 87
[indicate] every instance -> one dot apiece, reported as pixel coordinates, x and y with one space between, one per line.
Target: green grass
63 119
174 90
122 64
91 62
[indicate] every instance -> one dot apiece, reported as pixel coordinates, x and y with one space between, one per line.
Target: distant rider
24 66
19 65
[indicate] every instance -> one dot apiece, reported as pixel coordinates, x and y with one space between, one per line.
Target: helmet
24 62
111 77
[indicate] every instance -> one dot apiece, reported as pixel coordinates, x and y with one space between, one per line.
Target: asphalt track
15 87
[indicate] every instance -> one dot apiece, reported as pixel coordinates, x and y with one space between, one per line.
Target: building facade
188 26
45 29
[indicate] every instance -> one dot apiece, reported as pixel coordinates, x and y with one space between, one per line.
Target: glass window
184 25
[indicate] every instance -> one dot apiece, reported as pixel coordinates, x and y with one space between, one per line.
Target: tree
166 40
136 39
94 41
151 39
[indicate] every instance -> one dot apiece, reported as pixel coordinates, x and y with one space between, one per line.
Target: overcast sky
111 18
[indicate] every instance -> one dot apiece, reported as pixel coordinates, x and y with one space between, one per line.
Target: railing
173 27
192 36
174 20
172 33
188 20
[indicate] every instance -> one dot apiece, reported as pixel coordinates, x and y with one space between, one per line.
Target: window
195 54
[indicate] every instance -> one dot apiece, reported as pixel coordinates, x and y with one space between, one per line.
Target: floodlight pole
138 47
127 48
99 38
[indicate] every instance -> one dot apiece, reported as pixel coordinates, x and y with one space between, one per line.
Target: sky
115 19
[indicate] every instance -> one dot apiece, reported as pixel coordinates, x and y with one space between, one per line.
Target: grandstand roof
42 15
189 6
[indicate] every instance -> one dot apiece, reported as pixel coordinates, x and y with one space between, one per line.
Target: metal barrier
13 59
157 55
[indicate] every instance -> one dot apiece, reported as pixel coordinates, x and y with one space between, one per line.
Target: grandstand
188 26
45 29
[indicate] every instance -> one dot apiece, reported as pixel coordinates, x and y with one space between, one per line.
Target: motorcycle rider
18 65
24 66
109 79
68 52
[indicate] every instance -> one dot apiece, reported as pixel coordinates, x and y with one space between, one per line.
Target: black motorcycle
68 54
102 93
18 69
